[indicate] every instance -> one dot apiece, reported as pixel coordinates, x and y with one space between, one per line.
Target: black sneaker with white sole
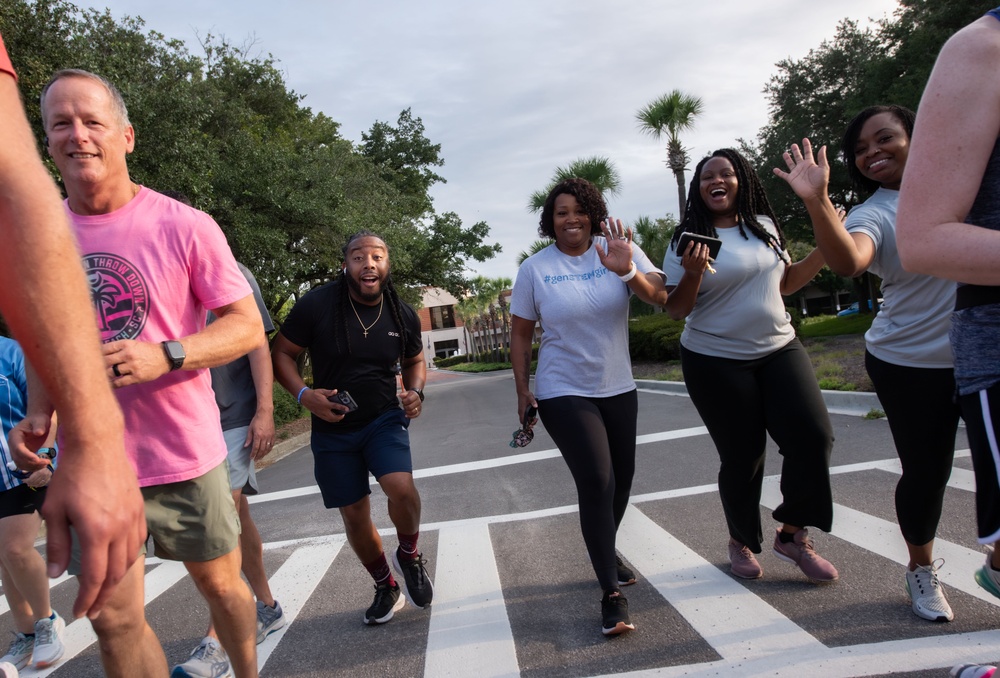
625 575
614 614
419 588
387 601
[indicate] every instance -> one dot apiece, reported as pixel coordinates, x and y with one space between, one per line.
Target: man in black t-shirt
368 374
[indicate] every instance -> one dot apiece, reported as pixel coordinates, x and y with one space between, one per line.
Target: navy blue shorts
342 461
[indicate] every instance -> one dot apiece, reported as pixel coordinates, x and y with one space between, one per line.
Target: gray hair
117 102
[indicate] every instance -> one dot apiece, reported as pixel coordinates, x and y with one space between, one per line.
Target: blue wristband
298 398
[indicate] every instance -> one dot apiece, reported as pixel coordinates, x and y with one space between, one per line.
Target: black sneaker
625 575
614 611
419 588
387 600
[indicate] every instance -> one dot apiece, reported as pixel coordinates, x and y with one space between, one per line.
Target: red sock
408 545
379 570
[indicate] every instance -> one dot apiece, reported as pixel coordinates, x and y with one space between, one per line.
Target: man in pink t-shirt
155 266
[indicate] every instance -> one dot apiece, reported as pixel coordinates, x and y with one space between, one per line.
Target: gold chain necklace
381 301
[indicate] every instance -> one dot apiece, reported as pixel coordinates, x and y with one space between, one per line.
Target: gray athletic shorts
242 475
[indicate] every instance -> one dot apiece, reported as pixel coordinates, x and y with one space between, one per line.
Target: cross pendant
366 334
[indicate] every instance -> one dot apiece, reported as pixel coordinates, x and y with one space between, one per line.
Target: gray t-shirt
583 310
911 327
975 332
739 312
233 383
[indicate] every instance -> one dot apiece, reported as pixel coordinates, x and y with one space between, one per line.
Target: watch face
175 353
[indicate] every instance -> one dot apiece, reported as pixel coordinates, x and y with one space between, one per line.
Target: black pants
596 437
923 416
741 402
981 412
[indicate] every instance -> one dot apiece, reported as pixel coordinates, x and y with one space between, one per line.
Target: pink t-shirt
154 267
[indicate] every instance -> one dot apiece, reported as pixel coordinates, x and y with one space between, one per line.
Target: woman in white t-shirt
578 290
909 357
746 372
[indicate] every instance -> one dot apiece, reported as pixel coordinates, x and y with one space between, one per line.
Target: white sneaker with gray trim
19 652
49 646
927 594
208 660
269 620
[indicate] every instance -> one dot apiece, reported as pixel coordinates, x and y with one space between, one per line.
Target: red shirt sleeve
5 65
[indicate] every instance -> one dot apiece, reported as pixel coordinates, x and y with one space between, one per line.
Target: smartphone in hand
344 398
714 244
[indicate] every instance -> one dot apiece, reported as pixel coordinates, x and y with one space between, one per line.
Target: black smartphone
529 413
345 399
714 244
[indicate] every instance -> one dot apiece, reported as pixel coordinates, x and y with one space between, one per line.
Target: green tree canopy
224 129
597 169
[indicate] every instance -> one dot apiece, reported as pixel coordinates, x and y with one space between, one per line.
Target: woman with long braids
908 354
360 337
746 372
578 289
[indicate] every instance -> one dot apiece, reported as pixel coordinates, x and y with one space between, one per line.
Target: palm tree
670 115
535 248
467 311
598 170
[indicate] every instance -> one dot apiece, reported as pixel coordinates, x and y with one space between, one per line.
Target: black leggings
981 412
923 416
741 402
596 437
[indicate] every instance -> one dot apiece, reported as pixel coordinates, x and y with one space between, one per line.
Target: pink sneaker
973 671
742 562
801 552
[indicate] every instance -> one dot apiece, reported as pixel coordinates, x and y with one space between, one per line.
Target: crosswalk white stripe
738 624
962 479
292 585
5 605
496 462
470 632
80 635
895 656
882 537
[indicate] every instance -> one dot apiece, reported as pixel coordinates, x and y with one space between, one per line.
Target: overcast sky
513 89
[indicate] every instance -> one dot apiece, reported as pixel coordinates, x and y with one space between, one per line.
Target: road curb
853 403
283 449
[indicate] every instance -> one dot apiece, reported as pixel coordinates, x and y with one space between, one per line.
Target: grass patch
874 413
480 367
673 373
836 384
831 325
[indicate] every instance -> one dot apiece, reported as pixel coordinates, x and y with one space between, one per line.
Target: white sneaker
208 660
49 646
19 652
927 593
8 670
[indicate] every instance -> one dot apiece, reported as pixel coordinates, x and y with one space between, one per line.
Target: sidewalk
855 403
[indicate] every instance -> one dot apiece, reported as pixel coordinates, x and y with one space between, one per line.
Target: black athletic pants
596 437
920 405
981 412
741 402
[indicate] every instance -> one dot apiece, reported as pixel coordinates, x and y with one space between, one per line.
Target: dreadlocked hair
390 296
751 201
904 116
585 193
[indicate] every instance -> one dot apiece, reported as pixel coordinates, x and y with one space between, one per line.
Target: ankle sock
379 570
408 545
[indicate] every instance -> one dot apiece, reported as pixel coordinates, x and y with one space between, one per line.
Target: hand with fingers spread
618 256
808 177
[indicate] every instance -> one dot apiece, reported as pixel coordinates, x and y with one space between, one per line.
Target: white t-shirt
911 327
583 310
739 312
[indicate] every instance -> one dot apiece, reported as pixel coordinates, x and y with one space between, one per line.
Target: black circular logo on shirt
119 293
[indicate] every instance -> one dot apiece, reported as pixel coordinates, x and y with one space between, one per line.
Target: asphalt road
514 591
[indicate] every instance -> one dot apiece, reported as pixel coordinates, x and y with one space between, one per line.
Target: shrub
654 337
285 407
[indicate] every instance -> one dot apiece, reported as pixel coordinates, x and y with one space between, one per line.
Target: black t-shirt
367 370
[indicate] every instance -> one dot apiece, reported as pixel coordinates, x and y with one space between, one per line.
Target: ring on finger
114 368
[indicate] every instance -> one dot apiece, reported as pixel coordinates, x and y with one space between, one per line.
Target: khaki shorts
191 521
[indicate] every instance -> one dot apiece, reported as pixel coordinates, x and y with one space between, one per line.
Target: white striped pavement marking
882 538
80 634
896 656
497 462
738 624
5 605
292 585
470 632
